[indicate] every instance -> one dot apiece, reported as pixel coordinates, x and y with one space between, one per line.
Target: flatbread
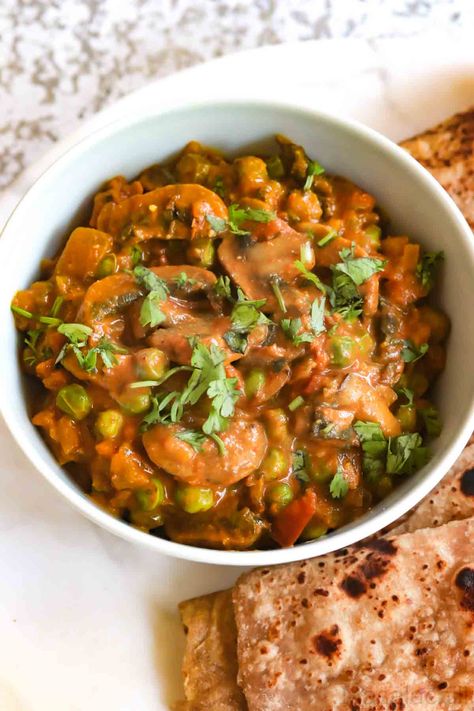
451 500
381 626
210 659
447 151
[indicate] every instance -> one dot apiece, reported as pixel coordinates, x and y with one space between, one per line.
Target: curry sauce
235 353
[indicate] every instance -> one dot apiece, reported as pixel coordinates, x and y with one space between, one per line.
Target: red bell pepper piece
290 522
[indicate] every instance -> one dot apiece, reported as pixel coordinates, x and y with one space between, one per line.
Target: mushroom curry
235 353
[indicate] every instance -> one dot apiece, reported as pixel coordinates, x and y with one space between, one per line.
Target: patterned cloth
62 61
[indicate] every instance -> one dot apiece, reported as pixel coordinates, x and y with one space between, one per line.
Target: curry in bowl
235 354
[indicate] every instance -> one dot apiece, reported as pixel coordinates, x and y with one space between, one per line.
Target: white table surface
87 621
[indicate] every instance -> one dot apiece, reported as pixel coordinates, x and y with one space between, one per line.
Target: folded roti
451 500
210 659
381 626
447 151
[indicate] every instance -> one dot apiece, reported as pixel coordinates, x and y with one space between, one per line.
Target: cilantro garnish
275 284
300 466
209 378
314 168
409 394
397 455
296 403
405 454
292 330
239 215
332 234
358 269
136 255
339 486
77 335
427 267
411 352
310 276
344 297
150 312
431 420
219 187
245 316
222 288
193 437
182 279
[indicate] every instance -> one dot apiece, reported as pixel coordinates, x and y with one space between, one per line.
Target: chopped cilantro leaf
358 269
236 341
409 394
427 268
219 187
182 279
431 420
314 168
339 486
193 437
296 403
300 466
411 352
136 255
332 234
310 276
369 431
239 215
405 454
150 312
21 312
76 333
292 330
275 284
222 288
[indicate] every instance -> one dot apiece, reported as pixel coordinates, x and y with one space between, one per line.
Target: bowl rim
349 534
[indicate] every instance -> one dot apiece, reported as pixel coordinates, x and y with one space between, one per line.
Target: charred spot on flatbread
465 582
467 482
328 642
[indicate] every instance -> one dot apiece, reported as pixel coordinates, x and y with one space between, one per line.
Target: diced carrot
290 522
107 448
411 256
56 380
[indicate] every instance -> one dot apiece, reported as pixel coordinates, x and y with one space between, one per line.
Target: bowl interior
416 205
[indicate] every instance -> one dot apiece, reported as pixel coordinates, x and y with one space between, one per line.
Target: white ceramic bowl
416 204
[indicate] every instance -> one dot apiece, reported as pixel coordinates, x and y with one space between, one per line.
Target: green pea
418 382
343 350
320 472
406 416
201 252
109 424
374 233
194 499
314 530
149 500
107 266
280 494
135 402
275 464
384 486
275 167
254 382
74 401
151 363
